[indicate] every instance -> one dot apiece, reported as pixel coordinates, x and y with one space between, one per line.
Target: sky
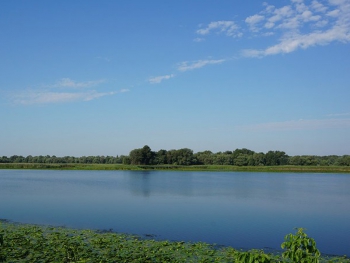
80 78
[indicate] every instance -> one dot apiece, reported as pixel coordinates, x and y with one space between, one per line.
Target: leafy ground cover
232 168
32 243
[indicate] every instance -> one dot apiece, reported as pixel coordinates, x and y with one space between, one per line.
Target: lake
239 209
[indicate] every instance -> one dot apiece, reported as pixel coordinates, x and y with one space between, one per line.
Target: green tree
242 159
205 157
161 157
276 158
142 156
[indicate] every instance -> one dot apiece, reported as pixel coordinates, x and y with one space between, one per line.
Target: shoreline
202 168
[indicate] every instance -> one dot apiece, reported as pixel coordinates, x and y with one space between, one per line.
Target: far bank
228 168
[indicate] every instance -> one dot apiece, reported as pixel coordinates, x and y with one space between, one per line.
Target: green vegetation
185 160
185 157
227 168
300 248
28 243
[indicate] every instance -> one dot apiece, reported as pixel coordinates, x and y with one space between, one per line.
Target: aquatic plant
300 248
40 244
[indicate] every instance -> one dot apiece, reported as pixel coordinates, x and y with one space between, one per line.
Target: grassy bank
30 243
78 166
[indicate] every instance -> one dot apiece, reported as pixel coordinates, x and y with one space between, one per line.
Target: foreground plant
38 244
300 248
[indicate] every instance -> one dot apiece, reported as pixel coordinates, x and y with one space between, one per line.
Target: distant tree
136 156
125 159
161 157
142 156
242 151
4 159
185 156
223 159
242 159
17 159
182 156
344 160
205 157
276 158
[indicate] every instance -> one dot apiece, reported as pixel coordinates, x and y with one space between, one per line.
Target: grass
32 243
78 166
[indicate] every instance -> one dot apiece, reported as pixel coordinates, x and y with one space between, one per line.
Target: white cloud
321 23
198 39
68 83
294 42
159 79
269 25
230 28
185 66
48 97
298 25
280 14
54 93
253 20
301 27
333 13
315 124
318 7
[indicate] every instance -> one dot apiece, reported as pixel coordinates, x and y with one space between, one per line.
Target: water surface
239 209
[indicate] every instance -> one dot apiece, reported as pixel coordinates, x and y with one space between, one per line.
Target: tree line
185 156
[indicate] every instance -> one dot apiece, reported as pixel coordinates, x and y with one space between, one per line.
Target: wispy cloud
159 79
301 26
63 91
68 83
229 28
315 124
297 25
190 65
198 39
48 97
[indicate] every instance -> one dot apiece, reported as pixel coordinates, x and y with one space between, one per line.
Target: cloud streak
159 79
229 28
190 65
68 83
48 97
62 92
298 25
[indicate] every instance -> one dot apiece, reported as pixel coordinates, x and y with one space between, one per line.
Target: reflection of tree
149 183
140 183
146 184
199 184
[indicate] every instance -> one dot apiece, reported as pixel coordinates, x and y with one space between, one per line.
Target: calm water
243 210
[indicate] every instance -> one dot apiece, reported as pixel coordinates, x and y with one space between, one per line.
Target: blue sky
105 77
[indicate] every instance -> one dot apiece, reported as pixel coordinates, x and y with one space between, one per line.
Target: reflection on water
243 210
147 183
